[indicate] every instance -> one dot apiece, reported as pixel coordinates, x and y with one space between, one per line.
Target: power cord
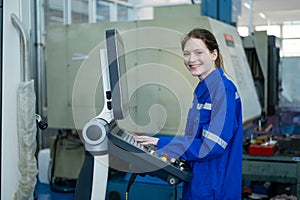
175 192
131 180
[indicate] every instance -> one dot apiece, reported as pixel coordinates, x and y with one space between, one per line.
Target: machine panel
145 160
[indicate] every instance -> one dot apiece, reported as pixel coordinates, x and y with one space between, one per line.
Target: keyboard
145 160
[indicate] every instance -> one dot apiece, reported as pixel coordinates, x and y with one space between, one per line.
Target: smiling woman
198 59
212 144
201 53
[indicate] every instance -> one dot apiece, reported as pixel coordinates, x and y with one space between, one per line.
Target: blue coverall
212 143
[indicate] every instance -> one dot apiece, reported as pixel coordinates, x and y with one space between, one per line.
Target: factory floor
116 188
44 192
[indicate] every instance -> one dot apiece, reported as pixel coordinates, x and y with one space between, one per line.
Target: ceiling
275 11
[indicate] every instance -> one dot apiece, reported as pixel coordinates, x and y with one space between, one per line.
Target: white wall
11 78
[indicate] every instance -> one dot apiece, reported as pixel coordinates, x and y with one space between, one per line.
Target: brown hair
209 40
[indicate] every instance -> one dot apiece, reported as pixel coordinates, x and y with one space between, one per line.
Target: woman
212 143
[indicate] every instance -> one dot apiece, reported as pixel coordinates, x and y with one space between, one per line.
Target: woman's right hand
145 140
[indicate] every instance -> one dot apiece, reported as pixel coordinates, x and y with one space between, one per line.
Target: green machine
159 85
74 72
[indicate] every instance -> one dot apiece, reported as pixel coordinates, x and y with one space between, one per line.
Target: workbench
282 169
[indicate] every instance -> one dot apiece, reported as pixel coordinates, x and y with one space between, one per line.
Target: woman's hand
145 140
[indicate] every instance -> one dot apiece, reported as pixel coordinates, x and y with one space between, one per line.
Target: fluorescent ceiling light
247 5
262 15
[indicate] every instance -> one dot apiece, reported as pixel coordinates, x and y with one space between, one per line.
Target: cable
175 191
131 180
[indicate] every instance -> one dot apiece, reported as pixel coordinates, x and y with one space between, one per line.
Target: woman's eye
198 53
186 54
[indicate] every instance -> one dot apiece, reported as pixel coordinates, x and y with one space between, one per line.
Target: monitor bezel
117 70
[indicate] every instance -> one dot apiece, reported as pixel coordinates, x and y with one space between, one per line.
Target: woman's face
198 59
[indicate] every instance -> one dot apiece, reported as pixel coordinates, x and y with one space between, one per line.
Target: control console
145 160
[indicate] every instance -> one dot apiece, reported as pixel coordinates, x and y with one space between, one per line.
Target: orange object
165 157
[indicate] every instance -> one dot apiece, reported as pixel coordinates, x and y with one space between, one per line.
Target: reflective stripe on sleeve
215 138
237 95
206 106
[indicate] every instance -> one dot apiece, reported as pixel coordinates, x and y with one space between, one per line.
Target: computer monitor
117 73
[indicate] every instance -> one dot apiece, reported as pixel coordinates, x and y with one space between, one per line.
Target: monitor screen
117 73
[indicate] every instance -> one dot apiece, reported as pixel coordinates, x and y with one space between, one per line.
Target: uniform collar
212 79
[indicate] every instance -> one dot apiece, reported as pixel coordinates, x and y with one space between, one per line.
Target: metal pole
40 55
250 17
92 11
25 51
67 12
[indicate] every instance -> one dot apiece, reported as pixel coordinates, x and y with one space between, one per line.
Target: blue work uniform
212 143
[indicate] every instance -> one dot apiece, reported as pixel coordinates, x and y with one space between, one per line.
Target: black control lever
180 163
40 122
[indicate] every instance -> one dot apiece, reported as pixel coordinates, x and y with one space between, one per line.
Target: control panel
144 158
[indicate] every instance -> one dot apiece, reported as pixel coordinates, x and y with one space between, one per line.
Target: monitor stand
92 180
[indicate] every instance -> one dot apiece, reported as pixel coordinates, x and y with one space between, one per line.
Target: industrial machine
73 55
263 54
156 78
102 128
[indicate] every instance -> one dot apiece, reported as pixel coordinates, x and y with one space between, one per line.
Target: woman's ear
214 54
